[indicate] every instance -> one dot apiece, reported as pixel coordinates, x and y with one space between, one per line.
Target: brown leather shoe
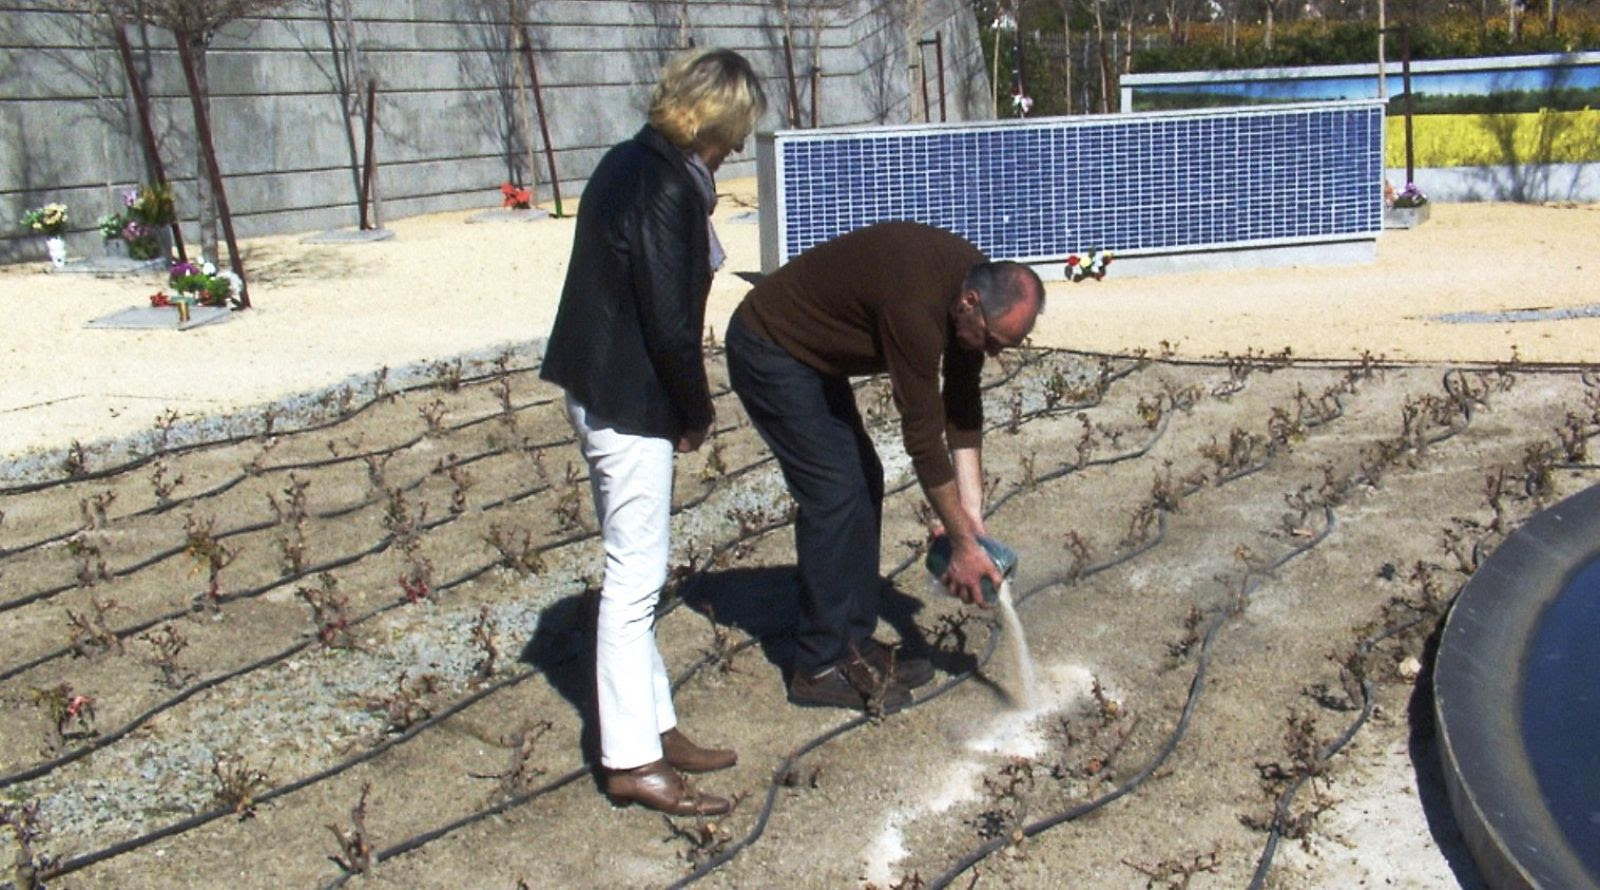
851 682
683 754
660 787
909 671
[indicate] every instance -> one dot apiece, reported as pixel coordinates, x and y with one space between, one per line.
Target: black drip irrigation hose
250 593
1280 811
516 800
381 395
1076 812
1191 702
197 820
271 469
106 739
787 765
177 828
204 818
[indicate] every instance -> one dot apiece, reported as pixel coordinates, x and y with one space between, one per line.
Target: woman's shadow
763 603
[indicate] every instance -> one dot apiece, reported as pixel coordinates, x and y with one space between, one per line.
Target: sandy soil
1262 523
439 288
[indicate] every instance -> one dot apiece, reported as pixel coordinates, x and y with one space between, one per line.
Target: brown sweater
878 299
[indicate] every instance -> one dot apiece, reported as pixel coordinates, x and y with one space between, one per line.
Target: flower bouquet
1410 196
199 284
146 211
1092 266
49 220
515 198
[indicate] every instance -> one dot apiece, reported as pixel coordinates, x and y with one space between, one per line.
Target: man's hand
969 565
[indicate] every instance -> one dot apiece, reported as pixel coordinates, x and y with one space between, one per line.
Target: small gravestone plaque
348 236
163 318
108 266
509 214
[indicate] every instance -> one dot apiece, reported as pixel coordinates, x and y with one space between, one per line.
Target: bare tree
812 16
909 15
349 79
194 24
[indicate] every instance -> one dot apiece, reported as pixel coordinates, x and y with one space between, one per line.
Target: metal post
141 104
922 59
203 127
1405 70
922 74
538 105
1021 80
794 95
369 160
938 58
816 87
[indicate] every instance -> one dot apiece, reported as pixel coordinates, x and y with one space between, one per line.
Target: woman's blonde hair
707 96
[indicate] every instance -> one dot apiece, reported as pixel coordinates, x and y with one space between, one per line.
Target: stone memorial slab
348 236
107 266
1512 316
163 318
509 214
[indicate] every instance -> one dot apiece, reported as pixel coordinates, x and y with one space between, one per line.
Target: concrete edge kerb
1478 680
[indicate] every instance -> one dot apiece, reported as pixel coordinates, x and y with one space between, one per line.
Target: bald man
926 307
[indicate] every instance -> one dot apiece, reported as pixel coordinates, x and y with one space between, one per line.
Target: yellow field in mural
1471 140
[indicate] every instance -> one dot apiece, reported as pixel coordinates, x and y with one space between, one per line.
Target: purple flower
184 268
130 197
133 231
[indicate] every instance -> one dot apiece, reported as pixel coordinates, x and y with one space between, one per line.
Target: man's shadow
762 602
765 604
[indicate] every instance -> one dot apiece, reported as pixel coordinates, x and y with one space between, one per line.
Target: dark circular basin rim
1477 683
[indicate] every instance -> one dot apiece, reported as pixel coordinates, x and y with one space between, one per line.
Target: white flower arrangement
1092 266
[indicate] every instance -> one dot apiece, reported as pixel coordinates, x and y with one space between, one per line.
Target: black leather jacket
626 341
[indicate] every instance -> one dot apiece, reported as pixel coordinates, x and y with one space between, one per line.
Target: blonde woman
626 348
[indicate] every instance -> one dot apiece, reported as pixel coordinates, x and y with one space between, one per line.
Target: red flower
515 198
77 704
1072 260
159 300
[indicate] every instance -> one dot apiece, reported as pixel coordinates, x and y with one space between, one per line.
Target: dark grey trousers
811 423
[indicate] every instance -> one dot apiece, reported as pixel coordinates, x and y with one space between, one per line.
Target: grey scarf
707 186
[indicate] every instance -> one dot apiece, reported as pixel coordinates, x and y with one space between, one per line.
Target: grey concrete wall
452 121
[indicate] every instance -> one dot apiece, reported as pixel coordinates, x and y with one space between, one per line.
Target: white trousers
631 480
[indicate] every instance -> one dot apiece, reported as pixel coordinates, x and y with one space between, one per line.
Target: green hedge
1334 43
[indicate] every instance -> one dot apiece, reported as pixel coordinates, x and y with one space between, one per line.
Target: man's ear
968 300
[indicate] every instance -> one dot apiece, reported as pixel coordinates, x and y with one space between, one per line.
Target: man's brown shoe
851 683
909 671
659 787
682 753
